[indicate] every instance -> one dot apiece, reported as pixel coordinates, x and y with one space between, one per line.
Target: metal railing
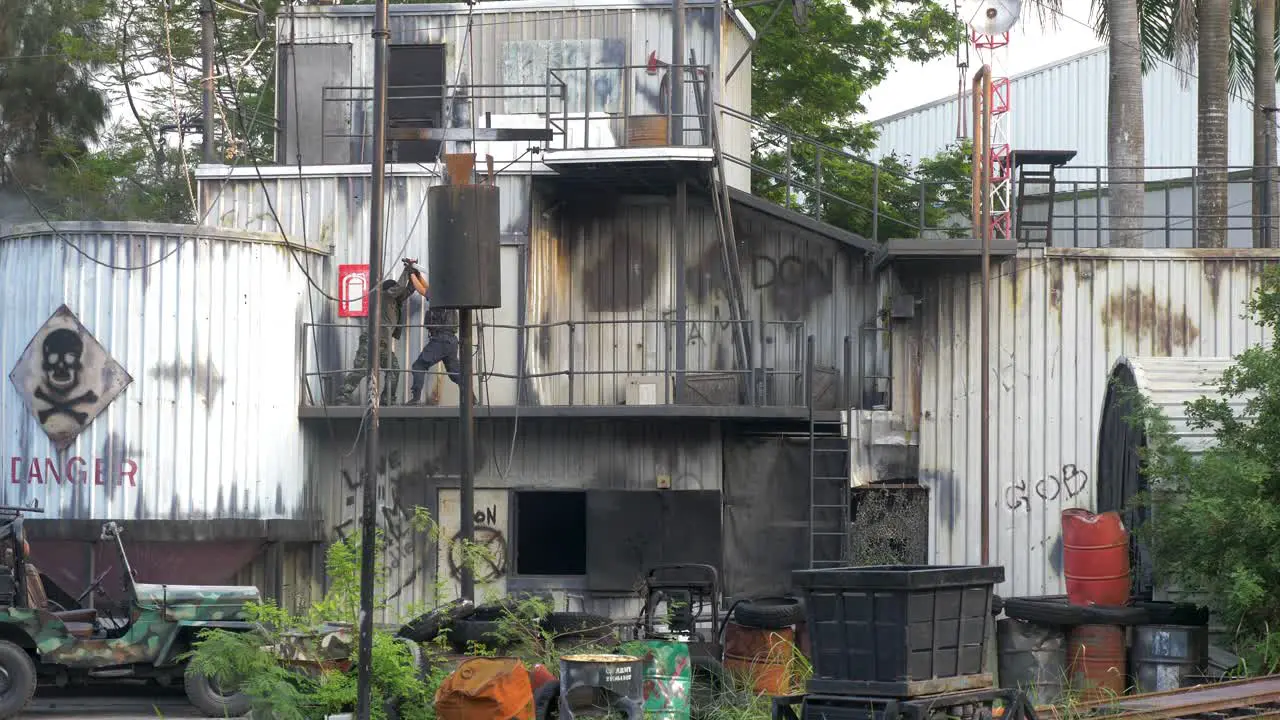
626 106
347 111
598 363
833 185
1171 216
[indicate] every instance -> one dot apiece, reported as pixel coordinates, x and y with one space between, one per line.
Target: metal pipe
206 52
680 219
369 487
982 89
466 434
677 72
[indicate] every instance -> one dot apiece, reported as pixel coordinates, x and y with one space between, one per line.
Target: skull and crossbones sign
62 363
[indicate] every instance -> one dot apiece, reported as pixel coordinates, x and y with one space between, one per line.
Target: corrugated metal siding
333 211
422 458
1170 383
1059 321
1064 107
614 269
735 134
209 333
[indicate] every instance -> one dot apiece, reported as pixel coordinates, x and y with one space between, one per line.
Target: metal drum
1031 658
668 677
601 686
760 658
1096 658
1166 657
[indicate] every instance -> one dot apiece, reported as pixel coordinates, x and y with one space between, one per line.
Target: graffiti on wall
66 377
526 63
1067 485
395 519
74 471
490 558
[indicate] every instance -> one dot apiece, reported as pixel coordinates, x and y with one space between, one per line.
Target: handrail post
572 375
810 345
845 394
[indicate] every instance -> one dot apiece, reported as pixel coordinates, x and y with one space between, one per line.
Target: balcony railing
627 106
605 363
1080 214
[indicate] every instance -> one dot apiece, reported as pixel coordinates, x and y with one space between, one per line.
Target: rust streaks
1138 313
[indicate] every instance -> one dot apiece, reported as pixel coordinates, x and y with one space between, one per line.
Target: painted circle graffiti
489 559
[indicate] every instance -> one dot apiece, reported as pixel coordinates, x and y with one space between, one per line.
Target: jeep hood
211 595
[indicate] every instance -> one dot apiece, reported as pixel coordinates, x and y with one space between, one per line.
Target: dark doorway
415 98
551 533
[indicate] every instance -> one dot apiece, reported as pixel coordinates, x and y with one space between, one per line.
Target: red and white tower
989 23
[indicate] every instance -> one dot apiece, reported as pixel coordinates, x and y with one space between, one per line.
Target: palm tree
1126 136
1264 128
1213 54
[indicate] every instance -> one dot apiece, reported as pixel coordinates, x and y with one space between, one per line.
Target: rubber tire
997 605
201 694
481 632
22 678
1055 611
426 627
769 613
546 701
578 624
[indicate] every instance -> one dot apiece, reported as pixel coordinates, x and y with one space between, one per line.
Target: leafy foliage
1214 526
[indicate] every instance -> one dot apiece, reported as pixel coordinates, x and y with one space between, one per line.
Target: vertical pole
1269 183
369 487
985 364
206 51
677 72
466 417
680 223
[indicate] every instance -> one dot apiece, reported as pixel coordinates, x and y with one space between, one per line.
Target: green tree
50 108
1214 526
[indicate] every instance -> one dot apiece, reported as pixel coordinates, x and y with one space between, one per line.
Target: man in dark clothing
441 347
394 293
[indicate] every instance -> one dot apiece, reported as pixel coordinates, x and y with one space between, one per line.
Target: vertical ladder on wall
728 244
829 495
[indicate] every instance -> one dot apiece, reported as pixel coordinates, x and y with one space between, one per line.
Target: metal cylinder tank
463 255
1167 657
1032 658
153 372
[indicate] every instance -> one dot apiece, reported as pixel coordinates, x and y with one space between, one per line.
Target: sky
1030 46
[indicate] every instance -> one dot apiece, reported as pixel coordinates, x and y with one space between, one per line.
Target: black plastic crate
898 630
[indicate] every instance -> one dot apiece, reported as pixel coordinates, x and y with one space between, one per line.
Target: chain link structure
993 50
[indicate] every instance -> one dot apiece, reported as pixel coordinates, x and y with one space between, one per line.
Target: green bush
1214 527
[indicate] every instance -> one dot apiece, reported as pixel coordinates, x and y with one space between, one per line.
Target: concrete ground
114 702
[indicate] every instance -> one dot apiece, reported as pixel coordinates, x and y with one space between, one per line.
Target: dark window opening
551 533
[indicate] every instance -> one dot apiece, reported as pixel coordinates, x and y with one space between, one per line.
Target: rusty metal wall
205 321
610 265
421 459
1060 318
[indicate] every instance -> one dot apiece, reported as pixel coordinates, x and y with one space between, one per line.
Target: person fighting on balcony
394 293
441 347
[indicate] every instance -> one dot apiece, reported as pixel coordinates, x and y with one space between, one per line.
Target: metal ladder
723 212
828 483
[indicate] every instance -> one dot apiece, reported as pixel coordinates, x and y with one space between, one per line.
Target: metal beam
469 134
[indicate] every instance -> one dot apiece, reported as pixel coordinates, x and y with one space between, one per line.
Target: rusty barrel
1095 558
601 685
1096 659
761 656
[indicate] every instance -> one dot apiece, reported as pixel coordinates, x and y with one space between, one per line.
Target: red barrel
1097 662
762 659
1095 558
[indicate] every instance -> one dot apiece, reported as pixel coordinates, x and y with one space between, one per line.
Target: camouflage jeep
42 641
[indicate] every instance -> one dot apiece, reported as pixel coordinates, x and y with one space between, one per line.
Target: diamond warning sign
66 378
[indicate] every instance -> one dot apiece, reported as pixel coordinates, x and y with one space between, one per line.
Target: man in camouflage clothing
442 346
394 293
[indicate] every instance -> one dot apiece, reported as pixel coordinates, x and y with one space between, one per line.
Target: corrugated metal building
1060 318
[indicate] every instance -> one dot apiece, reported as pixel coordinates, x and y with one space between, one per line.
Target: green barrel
668 677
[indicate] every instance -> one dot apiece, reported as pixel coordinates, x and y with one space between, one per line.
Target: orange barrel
762 656
1095 558
1096 661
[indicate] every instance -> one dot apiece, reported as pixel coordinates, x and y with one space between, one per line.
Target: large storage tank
153 376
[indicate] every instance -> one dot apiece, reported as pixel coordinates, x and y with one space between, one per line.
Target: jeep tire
17 679
211 700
